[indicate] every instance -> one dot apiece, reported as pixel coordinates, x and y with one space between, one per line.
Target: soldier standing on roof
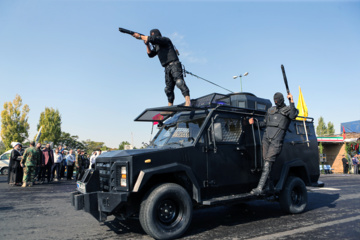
168 57
276 121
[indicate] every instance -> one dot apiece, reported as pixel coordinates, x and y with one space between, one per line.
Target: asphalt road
45 212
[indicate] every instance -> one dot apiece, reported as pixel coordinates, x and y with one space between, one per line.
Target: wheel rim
5 171
168 212
296 196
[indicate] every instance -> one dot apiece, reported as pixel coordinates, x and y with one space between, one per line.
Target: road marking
330 189
349 196
306 229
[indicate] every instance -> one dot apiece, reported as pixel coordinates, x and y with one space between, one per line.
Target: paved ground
44 212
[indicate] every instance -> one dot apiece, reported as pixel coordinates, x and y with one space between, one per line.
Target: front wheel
166 211
5 171
293 198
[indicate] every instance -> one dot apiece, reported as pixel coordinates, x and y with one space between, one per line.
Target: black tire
293 197
166 211
5 171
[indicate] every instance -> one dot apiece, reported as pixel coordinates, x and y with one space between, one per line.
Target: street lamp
240 76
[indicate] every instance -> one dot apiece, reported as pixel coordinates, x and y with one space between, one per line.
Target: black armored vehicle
206 154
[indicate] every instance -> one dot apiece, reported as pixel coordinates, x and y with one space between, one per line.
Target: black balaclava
279 100
156 32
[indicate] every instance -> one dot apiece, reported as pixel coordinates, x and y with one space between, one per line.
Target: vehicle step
229 198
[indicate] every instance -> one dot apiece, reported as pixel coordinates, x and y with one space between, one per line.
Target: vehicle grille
104 171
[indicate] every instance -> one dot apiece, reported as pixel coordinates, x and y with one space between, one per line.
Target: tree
105 148
330 128
321 148
71 142
122 145
321 127
14 123
322 130
50 120
92 146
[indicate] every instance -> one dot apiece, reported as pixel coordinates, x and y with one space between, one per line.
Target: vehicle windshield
181 130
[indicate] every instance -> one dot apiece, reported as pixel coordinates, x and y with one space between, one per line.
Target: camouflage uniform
79 166
31 159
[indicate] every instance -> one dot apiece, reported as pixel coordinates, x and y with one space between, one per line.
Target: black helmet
156 32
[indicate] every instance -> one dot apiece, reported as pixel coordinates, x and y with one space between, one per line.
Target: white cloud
186 54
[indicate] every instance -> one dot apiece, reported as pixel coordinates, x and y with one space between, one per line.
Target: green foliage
321 127
330 128
323 130
71 142
91 146
104 148
122 145
321 148
50 120
14 122
349 150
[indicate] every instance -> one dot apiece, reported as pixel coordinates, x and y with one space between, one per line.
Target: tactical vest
277 120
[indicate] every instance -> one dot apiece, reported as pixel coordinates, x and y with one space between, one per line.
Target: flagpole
307 138
302 106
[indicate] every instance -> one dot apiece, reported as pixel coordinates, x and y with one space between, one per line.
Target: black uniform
345 165
15 170
165 50
276 121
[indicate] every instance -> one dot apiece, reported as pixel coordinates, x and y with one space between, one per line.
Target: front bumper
98 204
89 198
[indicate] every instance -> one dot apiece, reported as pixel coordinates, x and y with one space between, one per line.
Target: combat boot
266 170
24 184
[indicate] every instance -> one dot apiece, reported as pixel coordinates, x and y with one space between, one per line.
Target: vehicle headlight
123 182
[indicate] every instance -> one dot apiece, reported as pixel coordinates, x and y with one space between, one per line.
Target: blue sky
69 55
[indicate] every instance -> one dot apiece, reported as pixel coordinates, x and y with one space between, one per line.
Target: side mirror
218 132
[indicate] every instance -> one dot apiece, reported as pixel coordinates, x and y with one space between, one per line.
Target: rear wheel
293 198
5 171
166 211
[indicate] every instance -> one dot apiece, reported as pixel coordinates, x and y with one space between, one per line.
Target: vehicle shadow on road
125 227
318 200
251 212
206 219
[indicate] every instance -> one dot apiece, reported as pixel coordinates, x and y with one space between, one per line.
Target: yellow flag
301 106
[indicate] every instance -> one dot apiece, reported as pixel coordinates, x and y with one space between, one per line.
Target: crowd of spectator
354 162
39 163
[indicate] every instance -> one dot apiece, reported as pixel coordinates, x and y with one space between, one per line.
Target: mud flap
79 201
72 197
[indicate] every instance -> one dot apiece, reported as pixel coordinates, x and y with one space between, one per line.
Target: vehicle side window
5 156
300 130
231 129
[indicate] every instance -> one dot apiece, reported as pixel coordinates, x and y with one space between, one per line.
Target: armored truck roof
247 102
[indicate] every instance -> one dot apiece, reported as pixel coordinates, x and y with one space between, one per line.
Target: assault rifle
123 30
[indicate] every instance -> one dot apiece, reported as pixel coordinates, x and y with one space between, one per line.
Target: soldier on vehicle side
276 121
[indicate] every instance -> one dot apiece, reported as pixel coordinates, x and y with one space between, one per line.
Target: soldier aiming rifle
168 56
